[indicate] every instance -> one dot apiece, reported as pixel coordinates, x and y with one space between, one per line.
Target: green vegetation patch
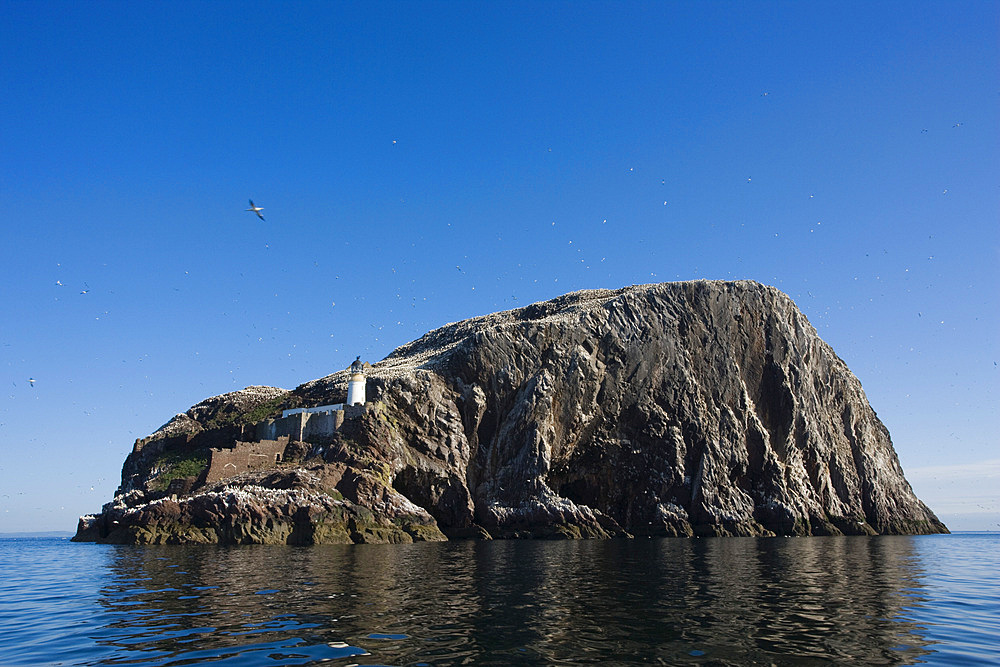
264 410
226 416
177 465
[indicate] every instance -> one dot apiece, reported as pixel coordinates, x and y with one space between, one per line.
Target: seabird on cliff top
256 209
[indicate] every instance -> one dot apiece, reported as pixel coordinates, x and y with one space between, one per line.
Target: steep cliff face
697 408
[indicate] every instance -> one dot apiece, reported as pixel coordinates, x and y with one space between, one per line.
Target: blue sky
420 163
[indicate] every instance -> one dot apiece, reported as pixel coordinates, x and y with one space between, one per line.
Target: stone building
270 438
244 457
314 425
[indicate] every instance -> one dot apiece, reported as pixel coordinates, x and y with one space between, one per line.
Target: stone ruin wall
271 439
244 457
313 427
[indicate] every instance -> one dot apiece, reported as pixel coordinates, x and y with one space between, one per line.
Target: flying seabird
256 209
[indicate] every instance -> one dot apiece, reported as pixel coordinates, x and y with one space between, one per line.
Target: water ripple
814 601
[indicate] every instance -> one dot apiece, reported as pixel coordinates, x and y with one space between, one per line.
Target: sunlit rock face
695 408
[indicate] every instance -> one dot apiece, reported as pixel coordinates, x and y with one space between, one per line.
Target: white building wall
356 390
321 408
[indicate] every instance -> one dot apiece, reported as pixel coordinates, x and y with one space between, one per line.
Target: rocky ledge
681 409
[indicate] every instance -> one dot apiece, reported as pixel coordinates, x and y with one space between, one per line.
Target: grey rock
694 408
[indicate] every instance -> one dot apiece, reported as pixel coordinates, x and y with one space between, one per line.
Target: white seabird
256 209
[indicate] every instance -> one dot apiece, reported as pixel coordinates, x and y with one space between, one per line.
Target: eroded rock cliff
695 408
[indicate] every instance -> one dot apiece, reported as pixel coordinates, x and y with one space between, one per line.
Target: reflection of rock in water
821 601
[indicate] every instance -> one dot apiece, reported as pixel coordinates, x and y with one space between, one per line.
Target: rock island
697 408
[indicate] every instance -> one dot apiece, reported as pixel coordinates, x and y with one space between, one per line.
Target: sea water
720 601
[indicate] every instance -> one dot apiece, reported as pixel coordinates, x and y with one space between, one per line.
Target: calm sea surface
729 601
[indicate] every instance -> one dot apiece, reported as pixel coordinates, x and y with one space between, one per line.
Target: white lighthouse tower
356 385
